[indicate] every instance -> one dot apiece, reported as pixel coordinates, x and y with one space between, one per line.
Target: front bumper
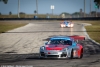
71 25
63 25
53 54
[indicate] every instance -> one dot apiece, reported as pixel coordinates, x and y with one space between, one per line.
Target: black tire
41 57
81 54
71 57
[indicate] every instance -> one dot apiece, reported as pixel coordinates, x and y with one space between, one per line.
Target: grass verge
9 25
92 30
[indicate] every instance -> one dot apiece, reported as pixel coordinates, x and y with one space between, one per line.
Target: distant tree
10 13
65 13
97 3
21 13
93 12
35 11
76 13
4 1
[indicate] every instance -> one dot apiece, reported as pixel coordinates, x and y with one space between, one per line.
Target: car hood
55 47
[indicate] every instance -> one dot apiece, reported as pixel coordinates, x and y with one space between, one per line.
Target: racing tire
40 57
71 57
81 55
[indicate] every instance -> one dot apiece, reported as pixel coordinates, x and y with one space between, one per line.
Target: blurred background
49 8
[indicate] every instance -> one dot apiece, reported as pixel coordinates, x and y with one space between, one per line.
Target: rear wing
77 37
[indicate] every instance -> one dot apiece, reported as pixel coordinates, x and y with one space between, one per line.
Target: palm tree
37 6
4 1
18 8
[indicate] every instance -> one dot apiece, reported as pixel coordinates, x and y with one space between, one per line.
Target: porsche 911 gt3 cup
67 24
62 47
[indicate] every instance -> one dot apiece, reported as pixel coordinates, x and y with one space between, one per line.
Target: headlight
65 49
69 25
42 48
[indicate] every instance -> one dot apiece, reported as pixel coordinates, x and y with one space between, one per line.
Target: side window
68 42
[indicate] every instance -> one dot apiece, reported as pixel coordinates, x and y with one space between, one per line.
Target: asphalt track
20 47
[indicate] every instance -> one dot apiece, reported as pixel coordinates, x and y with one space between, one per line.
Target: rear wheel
41 57
81 54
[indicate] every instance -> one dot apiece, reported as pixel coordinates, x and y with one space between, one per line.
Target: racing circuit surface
21 46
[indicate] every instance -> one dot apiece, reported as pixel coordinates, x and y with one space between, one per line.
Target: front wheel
71 56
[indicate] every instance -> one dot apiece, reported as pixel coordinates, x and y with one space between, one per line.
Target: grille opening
52 55
42 54
63 55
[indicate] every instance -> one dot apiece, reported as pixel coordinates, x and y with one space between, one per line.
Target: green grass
5 26
92 30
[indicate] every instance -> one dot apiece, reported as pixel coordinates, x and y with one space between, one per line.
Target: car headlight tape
65 49
42 48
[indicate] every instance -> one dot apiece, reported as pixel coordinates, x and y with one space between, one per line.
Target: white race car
66 24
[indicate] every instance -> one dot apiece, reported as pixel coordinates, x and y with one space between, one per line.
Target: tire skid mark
90 47
27 43
35 44
13 51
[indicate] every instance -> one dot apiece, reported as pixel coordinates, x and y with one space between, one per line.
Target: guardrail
85 18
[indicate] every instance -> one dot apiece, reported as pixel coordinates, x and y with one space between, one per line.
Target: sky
44 6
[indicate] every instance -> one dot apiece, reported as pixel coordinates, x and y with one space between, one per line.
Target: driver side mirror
76 41
46 43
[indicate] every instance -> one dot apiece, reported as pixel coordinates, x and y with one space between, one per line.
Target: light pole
96 12
90 8
84 8
52 8
18 8
37 6
96 8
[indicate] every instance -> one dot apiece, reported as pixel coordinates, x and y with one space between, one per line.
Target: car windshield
66 22
60 41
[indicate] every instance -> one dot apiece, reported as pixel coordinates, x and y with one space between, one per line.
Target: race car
62 47
67 24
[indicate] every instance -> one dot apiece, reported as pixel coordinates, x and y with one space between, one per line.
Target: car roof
60 37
